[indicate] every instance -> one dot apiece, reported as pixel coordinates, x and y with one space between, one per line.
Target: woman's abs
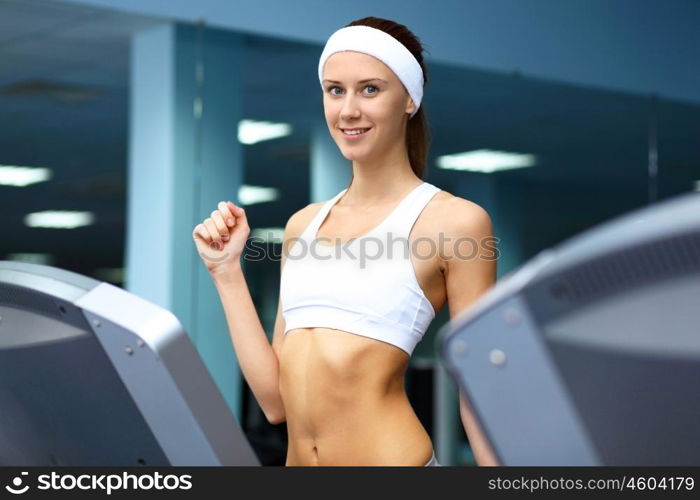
345 402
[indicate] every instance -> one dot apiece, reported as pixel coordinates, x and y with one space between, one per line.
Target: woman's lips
355 135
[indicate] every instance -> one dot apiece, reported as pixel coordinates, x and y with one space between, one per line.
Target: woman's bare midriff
344 397
345 401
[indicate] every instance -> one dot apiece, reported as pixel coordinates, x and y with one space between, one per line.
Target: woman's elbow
275 417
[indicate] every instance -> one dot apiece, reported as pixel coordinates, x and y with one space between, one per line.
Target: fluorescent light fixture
252 131
35 258
250 195
269 234
59 219
485 160
13 175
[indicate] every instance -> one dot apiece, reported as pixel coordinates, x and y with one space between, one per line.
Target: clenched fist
221 237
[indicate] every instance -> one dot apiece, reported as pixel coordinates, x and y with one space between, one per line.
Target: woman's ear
410 106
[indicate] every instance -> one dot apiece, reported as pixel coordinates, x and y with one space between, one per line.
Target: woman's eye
332 89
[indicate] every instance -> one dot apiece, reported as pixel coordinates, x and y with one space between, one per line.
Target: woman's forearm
481 449
256 357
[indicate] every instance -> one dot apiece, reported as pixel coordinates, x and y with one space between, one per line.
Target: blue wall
634 45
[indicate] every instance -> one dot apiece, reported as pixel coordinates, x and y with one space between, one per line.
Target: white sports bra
366 286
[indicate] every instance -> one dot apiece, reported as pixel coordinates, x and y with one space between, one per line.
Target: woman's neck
379 183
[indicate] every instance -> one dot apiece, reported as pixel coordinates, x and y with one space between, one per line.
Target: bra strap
406 215
315 223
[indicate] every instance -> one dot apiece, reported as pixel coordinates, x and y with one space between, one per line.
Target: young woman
349 316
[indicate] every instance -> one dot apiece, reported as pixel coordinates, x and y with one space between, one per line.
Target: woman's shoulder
453 211
298 221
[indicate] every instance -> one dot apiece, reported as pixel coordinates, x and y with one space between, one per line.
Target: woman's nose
349 108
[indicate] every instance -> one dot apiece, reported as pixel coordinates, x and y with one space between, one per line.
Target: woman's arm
257 358
468 274
483 454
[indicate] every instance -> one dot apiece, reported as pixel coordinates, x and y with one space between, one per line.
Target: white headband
384 47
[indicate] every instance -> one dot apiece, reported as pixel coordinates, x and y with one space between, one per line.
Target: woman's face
361 92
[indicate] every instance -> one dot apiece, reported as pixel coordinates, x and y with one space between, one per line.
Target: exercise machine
589 353
92 375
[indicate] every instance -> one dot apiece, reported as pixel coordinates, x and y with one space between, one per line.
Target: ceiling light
485 160
12 175
59 219
269 234
252 131
250 195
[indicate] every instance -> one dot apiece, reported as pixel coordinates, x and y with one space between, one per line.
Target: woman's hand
220 238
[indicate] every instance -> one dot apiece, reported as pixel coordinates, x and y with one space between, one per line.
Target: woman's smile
355 133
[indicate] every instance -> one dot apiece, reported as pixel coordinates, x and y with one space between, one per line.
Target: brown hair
417 132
